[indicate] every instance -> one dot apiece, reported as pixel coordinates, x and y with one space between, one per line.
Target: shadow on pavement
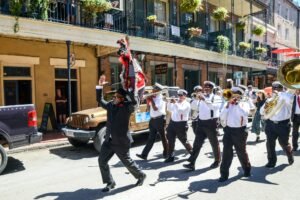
13 166
75 153
255 143
178 175
86 194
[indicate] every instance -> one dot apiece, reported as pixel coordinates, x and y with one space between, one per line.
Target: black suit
296 124
117 138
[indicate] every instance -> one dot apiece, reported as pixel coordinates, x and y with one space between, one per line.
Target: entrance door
191 79
61 83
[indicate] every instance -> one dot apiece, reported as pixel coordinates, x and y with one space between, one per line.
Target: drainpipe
175 67
69 77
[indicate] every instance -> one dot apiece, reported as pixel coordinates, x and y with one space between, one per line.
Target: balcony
118 21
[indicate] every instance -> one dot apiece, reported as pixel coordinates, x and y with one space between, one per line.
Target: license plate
69 133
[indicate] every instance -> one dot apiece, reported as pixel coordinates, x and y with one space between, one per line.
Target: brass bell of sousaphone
289 74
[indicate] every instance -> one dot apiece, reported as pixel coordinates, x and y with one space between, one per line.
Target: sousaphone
289 76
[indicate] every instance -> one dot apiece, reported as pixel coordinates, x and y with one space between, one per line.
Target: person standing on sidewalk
278 125
258 123
209 112
157 122
296 119
178 125
235 117
118 138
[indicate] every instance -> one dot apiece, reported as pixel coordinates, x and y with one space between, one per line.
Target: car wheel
99 139
78 142
3 159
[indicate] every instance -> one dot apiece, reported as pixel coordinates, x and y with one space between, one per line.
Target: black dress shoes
291 159
223 179
142 156
109 187
214 165
189 166
270 165
170 159
141 180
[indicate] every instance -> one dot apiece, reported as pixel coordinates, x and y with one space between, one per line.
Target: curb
39 146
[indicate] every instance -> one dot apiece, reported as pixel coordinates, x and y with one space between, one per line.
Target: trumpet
228 96
145 96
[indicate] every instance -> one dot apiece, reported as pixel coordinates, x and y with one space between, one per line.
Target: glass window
17 92
160 9
279 30
115 70
63 73
164 79
286 34
16 71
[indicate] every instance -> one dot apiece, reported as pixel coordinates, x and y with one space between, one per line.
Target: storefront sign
161 69
238 75
258 73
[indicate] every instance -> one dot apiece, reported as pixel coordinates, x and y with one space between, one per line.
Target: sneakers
223 179
270 165
109 187
189 166
214 164
170 159
141 180
142 156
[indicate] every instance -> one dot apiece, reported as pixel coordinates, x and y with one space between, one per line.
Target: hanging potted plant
260 50
15 8
190 5
152 19
223 44
259 30
241 24
92 7
220 14
194 32
244 46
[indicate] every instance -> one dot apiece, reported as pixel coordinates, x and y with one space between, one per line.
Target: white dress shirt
180 111
161 107
297 110
235 116
286 99
211 103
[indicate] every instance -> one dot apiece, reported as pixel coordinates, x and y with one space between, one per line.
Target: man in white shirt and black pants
157 122
208 105
278 125
178 125
235 117
195 107
296 119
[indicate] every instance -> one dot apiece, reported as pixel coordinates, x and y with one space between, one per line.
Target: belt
157 117
280 122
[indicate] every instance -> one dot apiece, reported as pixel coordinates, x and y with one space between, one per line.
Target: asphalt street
68 173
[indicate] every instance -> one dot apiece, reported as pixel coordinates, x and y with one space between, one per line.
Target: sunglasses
180 95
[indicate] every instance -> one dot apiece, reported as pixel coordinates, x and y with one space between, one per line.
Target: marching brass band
208 110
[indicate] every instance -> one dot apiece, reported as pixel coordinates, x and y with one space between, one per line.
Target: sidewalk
50 139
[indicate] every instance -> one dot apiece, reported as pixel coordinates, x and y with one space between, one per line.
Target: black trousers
237 138
156 125
107 152
296 125
194 125
206 129
281 131
178 129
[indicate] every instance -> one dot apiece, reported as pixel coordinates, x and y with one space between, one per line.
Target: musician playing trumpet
208 105
277 112
235 117
194 108
157 122
178 125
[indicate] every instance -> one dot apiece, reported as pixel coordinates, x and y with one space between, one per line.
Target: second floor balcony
135 23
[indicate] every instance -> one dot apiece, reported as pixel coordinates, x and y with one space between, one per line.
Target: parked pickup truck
18 127
89 124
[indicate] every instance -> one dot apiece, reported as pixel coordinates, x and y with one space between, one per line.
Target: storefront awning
294 54
283 50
